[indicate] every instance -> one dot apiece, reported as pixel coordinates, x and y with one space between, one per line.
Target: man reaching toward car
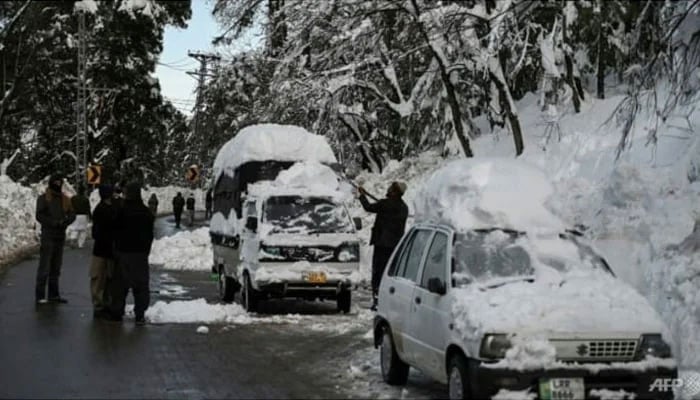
389 226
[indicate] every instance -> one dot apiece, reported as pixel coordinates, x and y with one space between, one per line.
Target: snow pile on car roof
265 142
304 178
485 193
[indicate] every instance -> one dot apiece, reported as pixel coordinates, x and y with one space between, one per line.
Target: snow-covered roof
265 142
487 192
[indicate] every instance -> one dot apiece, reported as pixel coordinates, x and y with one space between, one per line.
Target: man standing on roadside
387 231
54 212
178 206
190 208
102 265
133 239
208 201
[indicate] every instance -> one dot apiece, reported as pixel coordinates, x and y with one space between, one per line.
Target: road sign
192 173
94 174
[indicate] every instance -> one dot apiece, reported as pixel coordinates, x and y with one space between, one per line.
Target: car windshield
297 214
502 255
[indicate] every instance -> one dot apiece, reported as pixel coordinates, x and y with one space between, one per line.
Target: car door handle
391 290
417 300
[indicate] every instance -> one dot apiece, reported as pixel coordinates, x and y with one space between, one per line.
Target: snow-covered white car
491 294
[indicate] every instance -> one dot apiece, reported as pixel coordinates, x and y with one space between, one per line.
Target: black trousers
131 272
178 217
379 259
50 261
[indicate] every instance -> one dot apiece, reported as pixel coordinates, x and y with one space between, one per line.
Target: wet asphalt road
58 351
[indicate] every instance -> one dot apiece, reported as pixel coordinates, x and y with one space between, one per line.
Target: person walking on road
54 212
388 229
81 206
190 208
153 204
133 239
178 206
102 264
208 200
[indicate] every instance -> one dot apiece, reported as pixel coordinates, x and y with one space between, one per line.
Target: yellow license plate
315 277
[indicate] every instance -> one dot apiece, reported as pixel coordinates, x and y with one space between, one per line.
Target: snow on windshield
491 255
265 142
297 214
485 193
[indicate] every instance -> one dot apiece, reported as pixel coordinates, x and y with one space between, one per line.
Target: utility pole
201 74
81 106
84 92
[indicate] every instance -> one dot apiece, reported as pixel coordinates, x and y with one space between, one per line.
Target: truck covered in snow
280 227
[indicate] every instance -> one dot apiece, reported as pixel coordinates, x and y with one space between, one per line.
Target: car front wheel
394 370
458 381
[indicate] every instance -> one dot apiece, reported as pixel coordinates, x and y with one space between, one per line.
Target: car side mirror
437 286
252 224
358 223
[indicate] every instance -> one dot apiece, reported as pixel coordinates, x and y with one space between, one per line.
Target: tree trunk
600 73
449 88
279 30
506 101
369 162
570 70
456 111
599 55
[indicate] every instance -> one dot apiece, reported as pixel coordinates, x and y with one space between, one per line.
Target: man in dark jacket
388 229
208 201
54 213
153 204
190 208
133 239
102 265
178 206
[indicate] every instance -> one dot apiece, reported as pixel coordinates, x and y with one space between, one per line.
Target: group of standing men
123 232
179 204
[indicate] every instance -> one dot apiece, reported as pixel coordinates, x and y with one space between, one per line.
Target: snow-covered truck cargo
280 227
